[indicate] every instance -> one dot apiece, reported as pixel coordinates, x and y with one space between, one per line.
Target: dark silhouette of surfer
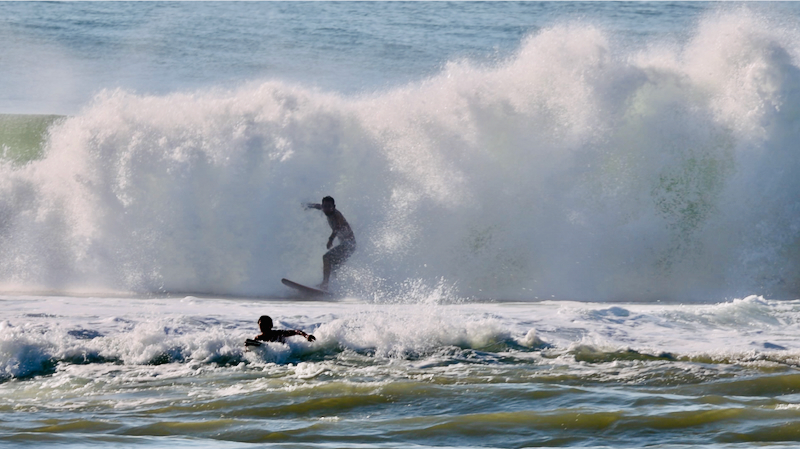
337 256
274 335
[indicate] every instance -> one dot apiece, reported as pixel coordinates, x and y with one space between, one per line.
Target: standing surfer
335 257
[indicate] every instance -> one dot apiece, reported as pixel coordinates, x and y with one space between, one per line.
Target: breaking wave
576 169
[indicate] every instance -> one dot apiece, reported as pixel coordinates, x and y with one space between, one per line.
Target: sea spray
577 168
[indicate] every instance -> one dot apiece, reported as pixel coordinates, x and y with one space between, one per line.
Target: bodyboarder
276 335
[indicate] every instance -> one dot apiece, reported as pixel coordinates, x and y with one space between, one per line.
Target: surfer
335 257
274 335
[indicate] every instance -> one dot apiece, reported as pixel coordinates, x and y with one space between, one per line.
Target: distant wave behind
578 168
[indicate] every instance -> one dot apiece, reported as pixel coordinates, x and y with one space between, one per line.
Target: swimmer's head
265 323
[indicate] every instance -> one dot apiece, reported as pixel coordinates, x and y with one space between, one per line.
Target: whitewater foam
575 169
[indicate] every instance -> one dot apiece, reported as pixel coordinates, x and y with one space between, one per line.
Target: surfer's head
328 205
265 323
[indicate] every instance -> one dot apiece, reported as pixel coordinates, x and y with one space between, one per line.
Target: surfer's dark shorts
339 254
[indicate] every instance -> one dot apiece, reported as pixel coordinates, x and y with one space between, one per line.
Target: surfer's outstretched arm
280 335
308 337
291 332
312 206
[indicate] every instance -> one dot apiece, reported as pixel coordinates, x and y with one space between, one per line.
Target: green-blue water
22 137
131 372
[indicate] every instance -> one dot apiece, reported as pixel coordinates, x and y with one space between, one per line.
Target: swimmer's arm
308 337
312 206
289 333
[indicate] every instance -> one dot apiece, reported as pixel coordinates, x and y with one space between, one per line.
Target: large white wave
576 169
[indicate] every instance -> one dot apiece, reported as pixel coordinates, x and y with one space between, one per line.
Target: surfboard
251 342
304 289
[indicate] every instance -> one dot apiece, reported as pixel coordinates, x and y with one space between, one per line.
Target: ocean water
578 224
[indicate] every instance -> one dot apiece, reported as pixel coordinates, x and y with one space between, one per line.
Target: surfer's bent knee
339 254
